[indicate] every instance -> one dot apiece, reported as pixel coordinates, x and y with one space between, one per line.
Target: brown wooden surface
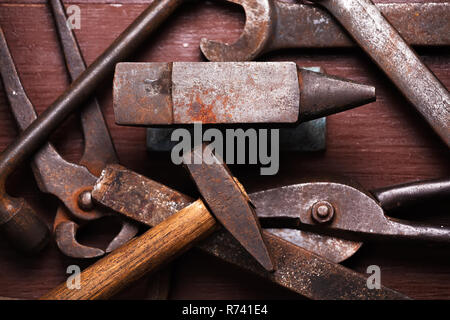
383 143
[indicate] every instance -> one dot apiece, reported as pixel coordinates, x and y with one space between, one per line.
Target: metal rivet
85 200
322 211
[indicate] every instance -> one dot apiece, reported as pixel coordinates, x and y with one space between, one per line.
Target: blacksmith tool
222 194
349 212
391 53
17 219
69 182
272 25
412 193
370 29
326 203
146 201
218 190
291 25
309 136
229 92
295 268
24 229
98 152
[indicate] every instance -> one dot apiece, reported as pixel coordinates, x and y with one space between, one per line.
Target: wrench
272 25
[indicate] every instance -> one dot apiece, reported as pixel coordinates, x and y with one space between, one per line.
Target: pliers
347 211
70 183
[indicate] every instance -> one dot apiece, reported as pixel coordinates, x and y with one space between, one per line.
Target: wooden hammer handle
141 255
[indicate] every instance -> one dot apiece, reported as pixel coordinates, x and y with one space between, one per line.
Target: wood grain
141 255
385 142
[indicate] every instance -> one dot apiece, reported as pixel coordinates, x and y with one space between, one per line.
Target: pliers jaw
71 183
65 230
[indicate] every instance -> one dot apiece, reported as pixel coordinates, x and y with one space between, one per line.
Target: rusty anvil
309 136
304 136
148 94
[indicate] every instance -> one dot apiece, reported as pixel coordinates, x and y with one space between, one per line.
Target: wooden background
383 143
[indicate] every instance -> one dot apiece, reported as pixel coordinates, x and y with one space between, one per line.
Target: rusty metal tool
228 201
157 205
24 229
309 136
229 92
69 182
144 200
412 193
272 25
17 219
370 29
324 202
224 196
147 201
347 211
98 152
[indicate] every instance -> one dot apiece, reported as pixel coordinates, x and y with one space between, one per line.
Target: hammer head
228 201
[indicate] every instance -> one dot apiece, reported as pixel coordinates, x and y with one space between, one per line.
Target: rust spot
201 112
